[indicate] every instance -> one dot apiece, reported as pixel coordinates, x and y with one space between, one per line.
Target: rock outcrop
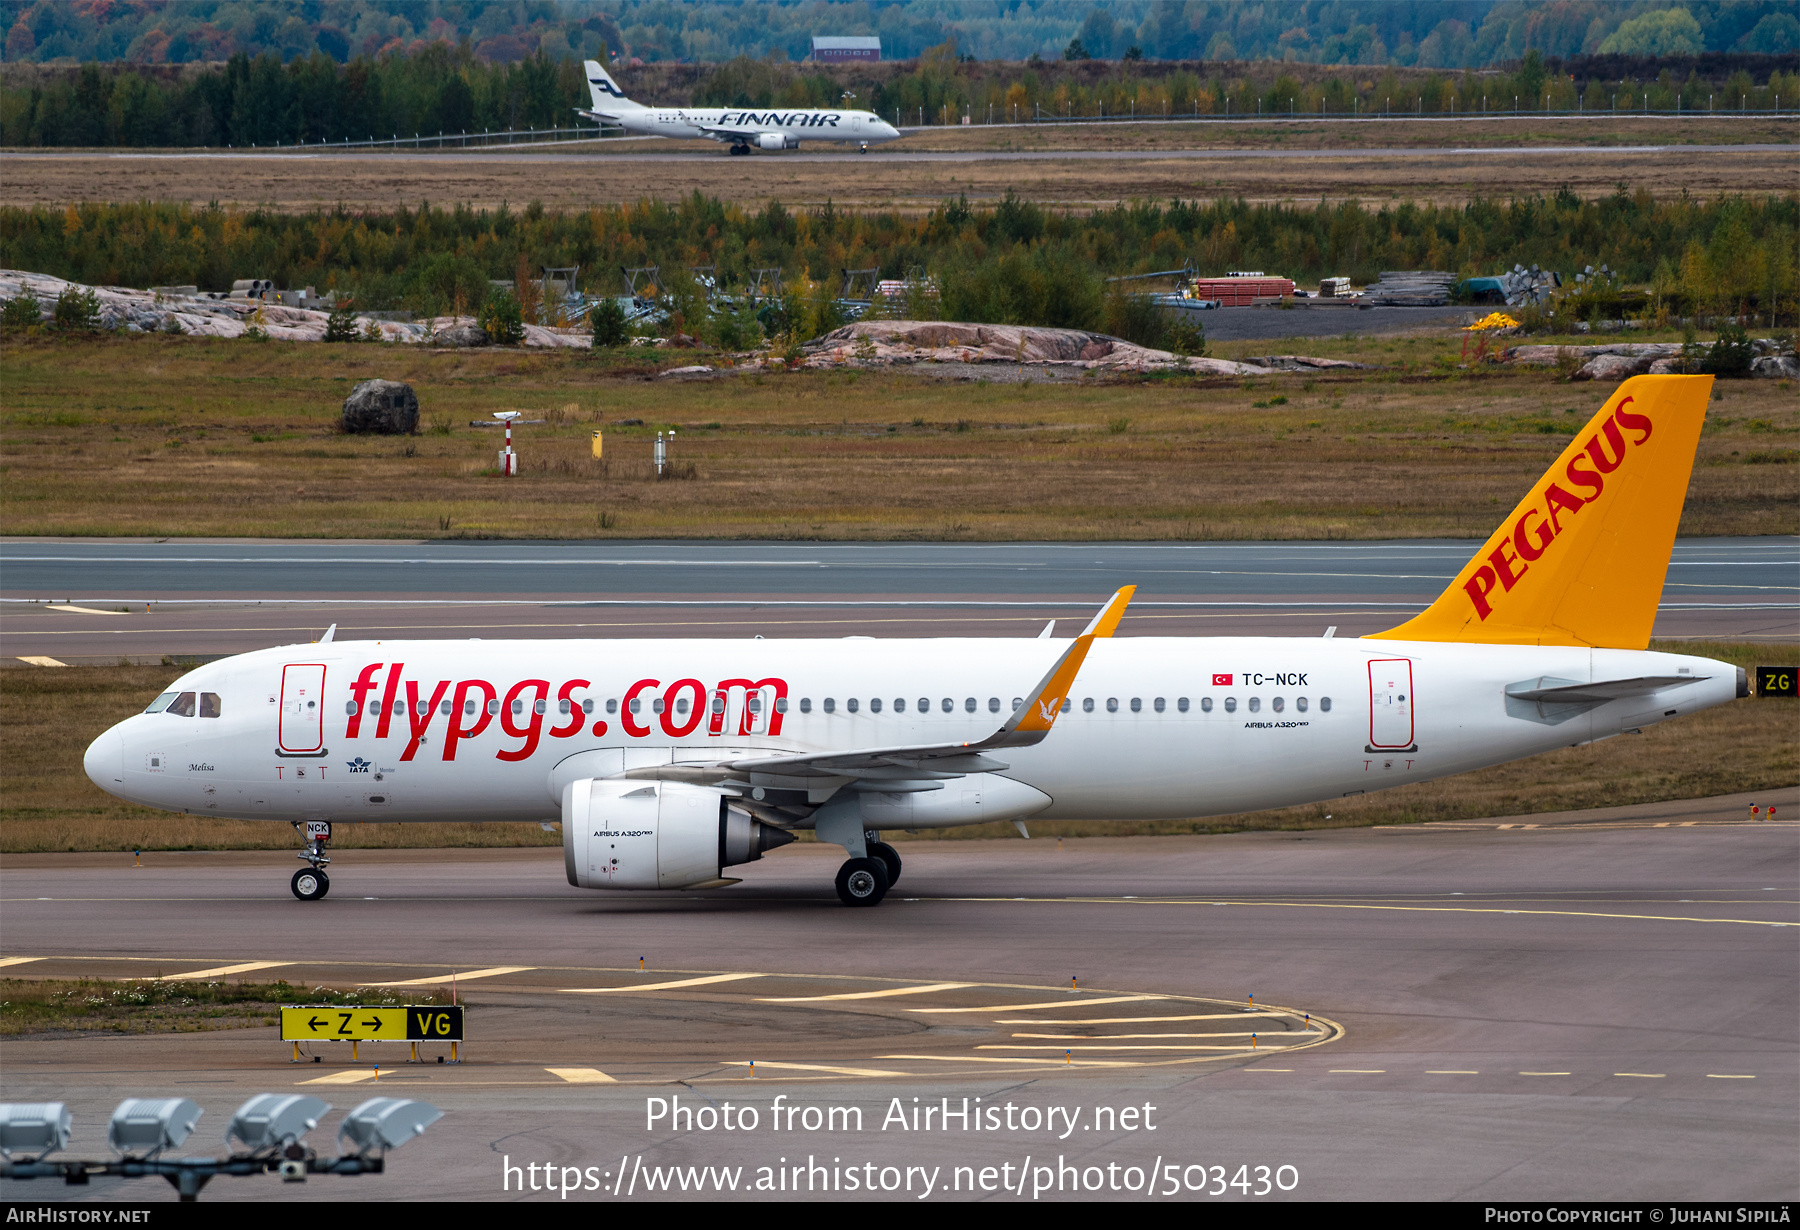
381 407
882 343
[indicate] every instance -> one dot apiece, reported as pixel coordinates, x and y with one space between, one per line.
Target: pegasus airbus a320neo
669 761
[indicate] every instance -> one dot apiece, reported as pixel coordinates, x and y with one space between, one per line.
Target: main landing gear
865 881
311 883
739 150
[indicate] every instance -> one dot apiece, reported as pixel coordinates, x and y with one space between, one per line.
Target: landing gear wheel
739 151
310 885
862 881
890 857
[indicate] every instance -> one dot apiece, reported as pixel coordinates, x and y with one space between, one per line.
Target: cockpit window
160 703
183 706
209 704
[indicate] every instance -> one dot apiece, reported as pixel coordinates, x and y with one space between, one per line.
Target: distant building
845 50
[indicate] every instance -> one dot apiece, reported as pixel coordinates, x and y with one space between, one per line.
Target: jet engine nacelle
638 834
776 140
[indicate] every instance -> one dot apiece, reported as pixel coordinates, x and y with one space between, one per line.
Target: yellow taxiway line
456 976
661 986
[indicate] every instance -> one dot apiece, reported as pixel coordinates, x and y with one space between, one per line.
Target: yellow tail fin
1581 560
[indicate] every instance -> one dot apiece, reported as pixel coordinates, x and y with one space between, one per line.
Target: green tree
1661 32
502 319
607 321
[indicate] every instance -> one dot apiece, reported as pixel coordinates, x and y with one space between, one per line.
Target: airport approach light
386 1123
269 1126
36 1128
270 1120
143 1127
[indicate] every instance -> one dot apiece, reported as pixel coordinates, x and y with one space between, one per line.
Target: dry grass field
157 436
1369 162
48 717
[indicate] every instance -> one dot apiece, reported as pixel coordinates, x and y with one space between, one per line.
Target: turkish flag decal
1221 681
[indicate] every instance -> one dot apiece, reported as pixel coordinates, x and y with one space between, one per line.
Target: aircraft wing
719 132
924 762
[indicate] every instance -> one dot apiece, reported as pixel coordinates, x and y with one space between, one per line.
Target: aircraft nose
104 762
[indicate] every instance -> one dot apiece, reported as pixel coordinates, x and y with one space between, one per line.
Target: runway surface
99 600
600 149
1597 1005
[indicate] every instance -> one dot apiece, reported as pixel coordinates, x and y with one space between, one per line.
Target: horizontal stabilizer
1555 692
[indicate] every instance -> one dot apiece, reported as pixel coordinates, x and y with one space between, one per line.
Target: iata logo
1536 530
359 765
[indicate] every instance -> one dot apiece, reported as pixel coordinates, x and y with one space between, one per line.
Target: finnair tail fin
1581 560
608 98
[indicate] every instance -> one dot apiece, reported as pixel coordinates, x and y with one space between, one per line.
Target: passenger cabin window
161 702
1300 703
830 704
183 706
1231 704
1206 704
1137 704
1087 704
1276 704
1182 704
899 704
969 704
612 704
493 706
949 705
1159 704
1324 704
1255 704
806 704
781 704
993 704
1112 704
874 705
851 704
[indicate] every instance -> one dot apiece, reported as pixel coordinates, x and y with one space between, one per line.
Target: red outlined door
1390 703
303 708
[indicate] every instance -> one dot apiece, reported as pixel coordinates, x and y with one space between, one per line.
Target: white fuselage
766 128
1156 727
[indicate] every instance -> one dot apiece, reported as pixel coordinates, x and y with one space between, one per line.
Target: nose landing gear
863 148
311 883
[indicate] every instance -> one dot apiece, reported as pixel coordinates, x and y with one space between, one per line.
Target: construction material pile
1415 288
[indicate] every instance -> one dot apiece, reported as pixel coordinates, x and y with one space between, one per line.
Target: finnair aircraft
744 129
669 761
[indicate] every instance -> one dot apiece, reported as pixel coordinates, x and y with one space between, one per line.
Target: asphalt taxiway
1599 1005
87 600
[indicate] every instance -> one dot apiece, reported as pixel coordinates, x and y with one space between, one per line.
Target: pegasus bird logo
1047 708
